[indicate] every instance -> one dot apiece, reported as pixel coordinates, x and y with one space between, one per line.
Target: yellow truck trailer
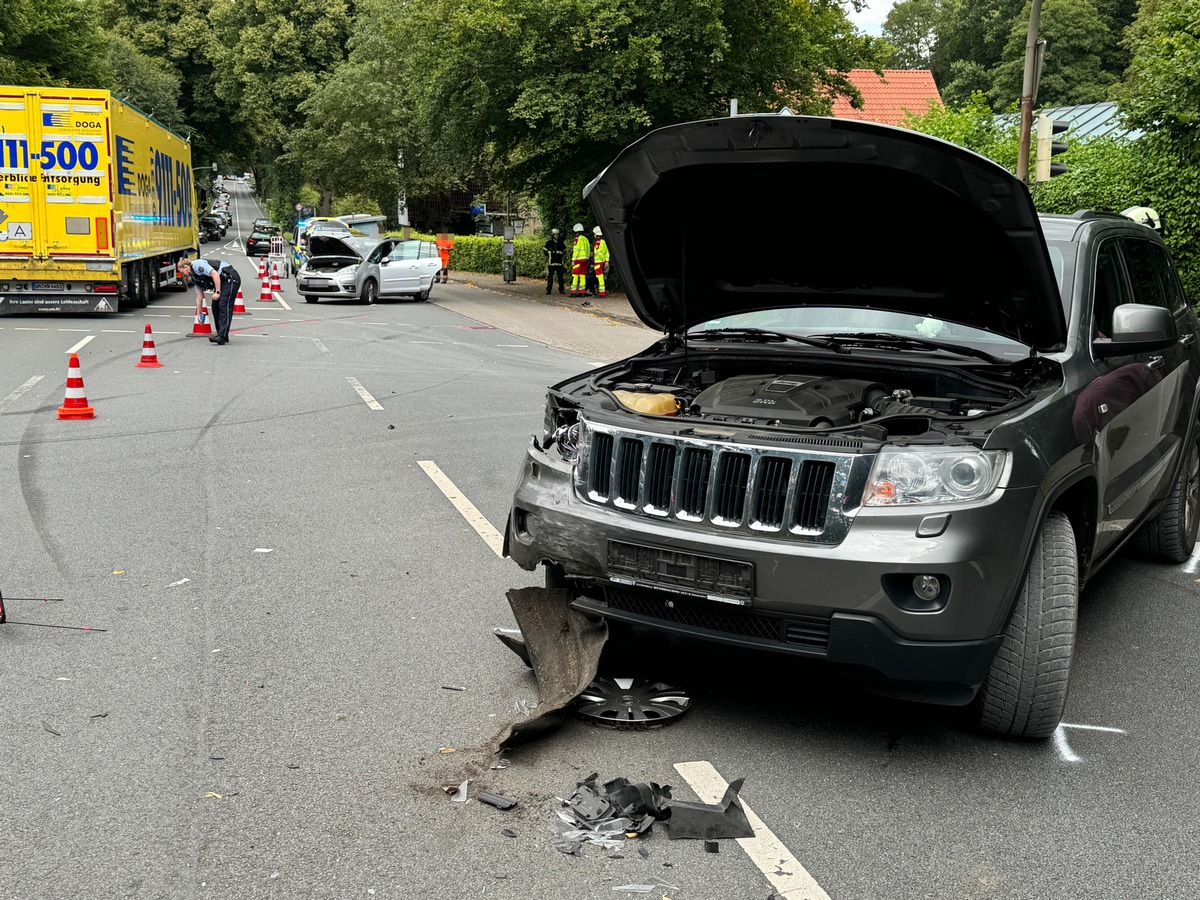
97 202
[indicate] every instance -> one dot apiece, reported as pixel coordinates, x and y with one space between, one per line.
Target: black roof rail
1085 214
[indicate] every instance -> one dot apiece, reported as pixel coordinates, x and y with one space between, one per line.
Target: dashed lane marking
87 340
22 389
118 331
466 508
22 328
364 393
774 860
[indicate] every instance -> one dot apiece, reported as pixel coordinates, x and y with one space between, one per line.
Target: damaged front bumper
848 605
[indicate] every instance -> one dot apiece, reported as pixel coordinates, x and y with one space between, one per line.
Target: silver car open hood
707 219
326 245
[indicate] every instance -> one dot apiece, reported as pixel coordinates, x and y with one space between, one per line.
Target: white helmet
596 231
554 231
577 228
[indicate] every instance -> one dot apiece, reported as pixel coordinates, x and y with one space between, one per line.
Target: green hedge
483 254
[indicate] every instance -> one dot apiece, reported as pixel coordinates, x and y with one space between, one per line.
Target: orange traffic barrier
202 325
75 405
149 354
239 305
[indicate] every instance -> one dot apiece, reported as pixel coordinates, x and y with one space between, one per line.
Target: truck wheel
134 288
1171 535
148 289
1026 689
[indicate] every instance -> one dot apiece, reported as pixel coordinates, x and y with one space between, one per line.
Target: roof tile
889 99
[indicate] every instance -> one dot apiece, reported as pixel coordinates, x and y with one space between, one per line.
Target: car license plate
49 286
687 572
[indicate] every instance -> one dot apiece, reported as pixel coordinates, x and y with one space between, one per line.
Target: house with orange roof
890 98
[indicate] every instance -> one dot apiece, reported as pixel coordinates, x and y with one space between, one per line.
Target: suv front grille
806 631
794 491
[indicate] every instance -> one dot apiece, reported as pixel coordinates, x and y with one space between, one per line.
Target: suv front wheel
1026 689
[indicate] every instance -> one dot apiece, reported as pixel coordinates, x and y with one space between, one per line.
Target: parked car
265 225
331 269
208 230
216 222
900 447
398 268
258 243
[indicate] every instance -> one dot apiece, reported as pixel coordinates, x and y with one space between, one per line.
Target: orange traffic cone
265 296
275 285
75 406
202 325
149 354
262 267
239 305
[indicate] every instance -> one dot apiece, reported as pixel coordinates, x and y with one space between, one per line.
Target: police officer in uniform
224 281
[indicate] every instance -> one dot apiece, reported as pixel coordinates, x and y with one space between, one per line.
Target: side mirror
1137 328
384 261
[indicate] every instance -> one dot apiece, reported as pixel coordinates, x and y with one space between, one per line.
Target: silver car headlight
906 476
347 274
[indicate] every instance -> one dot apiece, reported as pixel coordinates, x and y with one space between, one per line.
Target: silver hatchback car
398 267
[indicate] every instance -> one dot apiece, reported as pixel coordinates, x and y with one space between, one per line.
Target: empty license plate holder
707 576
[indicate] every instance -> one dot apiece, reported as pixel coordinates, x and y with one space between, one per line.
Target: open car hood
325 245
712 218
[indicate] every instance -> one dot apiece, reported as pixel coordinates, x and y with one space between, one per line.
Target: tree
972 35
150 84
1076 37
52 42
1162 89
911 27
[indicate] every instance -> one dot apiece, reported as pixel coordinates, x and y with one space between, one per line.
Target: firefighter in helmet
600 260
580 251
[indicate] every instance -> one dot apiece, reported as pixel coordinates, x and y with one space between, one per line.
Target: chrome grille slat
794 492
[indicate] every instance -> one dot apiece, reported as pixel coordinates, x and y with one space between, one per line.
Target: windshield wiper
903 342
764 336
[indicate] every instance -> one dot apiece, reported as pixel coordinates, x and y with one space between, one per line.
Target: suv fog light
927 587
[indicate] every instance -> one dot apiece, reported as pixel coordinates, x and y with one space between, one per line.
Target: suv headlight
905 476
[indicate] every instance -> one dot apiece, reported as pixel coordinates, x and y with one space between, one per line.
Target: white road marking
80 330
118 331
774 860
1193 561
320 346
425 342
159 316
168 332
466 508
22 389
87 340
20 328
164 306
1064 749
364 393
278 296
512 345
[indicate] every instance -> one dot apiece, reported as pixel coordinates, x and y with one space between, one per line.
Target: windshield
804 321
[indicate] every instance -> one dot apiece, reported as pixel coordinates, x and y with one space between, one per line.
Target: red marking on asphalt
274 325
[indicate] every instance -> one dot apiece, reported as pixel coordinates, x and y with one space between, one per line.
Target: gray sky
871 18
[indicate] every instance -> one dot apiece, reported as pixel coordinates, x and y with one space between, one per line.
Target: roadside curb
624 317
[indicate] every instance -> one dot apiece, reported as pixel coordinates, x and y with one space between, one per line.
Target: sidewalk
608 331
614 307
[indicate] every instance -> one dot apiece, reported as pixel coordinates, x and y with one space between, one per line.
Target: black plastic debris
605 815
452 687
570 848
631 704
712 847
514 641
564 651
497 801
508 832
715 821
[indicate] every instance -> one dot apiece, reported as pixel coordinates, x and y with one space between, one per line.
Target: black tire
135 289
1026 689
309 298
423 295
370 291
1171 535
148 284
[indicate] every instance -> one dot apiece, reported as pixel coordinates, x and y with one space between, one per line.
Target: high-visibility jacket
600 251
581 248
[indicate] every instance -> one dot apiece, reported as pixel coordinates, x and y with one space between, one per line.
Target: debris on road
514 641
264 549
715 821
179 582
497 801
459 794
445 749
608 815
712 847
631 704
563 647
50 728
508 832
503 764
451 687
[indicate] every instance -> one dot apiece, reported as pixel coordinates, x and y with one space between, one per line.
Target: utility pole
1029 85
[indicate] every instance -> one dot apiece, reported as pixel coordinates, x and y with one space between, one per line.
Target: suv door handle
1155 362
1188 339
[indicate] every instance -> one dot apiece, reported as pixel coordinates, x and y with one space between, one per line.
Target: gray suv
896 436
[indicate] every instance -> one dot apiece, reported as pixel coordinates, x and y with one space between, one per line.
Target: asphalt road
286 594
